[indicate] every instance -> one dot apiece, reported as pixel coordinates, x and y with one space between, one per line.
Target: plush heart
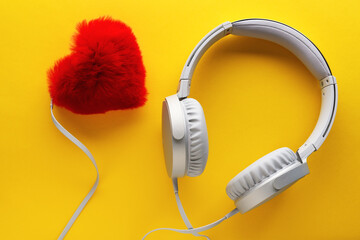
104 71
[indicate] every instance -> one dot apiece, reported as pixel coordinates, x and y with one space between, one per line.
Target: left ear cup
185 139
197 137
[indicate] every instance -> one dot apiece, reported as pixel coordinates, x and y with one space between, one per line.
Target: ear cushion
259 171
197 137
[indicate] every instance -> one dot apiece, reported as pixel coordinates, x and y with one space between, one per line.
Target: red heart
104 72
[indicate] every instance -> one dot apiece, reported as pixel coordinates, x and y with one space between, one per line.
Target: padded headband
268 30
295 42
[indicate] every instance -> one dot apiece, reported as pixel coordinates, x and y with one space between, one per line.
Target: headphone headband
295 42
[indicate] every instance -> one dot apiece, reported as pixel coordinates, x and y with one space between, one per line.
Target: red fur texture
103 72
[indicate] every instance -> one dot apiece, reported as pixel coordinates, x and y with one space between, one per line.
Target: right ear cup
197 137
261 172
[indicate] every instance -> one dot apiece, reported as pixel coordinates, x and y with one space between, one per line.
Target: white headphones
185 138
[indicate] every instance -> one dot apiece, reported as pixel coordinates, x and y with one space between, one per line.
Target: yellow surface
256 95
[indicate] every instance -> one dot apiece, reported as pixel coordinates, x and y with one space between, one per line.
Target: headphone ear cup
259 172
197 137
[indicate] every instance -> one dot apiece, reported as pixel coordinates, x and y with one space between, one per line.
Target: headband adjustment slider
305 150
329 80
188 70
227 27
183 88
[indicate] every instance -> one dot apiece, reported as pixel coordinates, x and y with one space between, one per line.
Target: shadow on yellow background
256 95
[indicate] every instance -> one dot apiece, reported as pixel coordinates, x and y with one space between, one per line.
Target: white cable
181 209
197 230
87 152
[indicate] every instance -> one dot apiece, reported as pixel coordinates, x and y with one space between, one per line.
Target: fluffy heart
104 71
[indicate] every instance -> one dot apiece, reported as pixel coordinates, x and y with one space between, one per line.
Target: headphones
185 138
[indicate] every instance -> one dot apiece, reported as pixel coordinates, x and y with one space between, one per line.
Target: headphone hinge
327 81
305 150
183 88
227 27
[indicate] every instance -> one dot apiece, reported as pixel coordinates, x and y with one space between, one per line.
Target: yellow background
256 95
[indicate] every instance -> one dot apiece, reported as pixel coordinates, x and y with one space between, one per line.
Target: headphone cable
181 209
87 152
191 230
199 229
